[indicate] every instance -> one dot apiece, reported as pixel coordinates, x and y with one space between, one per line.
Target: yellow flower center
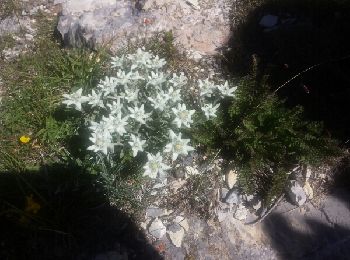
183 115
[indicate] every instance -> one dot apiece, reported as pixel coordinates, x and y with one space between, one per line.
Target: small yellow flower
24 139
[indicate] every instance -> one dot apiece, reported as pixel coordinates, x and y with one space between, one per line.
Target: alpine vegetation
141 108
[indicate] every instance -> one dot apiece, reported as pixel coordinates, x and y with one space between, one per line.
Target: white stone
233 197
241 212
231 179
308 190
257 205
268 21
194 4
296 193
154 211
176 234
308 173
157 228
183 222
80 6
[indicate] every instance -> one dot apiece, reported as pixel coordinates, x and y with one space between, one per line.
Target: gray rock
117 22
157 228
233 197
154 212
296 193
176 234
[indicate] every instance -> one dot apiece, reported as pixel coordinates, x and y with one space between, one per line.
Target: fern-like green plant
263 138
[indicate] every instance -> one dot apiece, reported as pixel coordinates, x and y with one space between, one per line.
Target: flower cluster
124 104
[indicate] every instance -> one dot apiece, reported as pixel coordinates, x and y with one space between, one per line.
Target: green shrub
263 138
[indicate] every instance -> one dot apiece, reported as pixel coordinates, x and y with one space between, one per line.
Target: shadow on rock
61 212
315 240
307 40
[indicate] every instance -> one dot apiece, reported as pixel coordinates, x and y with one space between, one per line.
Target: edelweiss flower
140 58
210 110
108 85
102 141
131 95
156 79
178 81
138 113
174 95
95 99
156 63
155 166
124 78
116 124
177 146
136 144
115 107
160 102
226 90
118 61
183 116
75 99
206 87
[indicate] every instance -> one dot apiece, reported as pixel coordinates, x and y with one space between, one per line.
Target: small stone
308 190
257 205
231 179
157 228
176 234
183 222
296 193
268 21
233 197
241 212
308 173
193 3
223 214
224 192
154 212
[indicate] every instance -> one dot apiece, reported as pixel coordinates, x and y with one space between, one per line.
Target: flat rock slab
94 23
312 231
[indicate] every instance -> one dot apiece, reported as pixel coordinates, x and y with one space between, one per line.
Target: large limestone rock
199 29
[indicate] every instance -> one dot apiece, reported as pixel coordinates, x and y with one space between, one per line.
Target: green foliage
264 138
33 85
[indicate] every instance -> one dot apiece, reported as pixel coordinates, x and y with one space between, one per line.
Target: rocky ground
307 224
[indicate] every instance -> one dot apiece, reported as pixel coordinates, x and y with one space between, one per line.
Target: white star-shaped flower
178 81
174 95
155 63
155 166
118 62
115 107
95 99
160 101
124 78
156 79
116 124
177 146
108 85
210 110
226 90
138 113
183 116
136 144
131 95
75 99
102 142
206 87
